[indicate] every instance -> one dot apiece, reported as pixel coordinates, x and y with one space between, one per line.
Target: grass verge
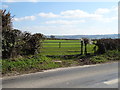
106 57
38 63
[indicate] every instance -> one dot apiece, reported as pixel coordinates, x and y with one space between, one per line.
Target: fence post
59 44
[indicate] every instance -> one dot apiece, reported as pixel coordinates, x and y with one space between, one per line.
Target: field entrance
63 47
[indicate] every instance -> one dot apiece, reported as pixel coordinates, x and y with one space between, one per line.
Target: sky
64 18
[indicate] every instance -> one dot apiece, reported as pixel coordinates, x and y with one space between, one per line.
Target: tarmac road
88 76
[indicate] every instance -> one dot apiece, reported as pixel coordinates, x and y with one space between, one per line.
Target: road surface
88 76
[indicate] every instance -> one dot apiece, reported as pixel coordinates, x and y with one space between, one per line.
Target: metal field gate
62 47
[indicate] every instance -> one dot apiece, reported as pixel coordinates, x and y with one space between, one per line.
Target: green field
63 47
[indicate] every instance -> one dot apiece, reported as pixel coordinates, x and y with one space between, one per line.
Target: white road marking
111 82
67 68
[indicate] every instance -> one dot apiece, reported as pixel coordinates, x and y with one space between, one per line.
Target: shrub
15 42
98 59
105 45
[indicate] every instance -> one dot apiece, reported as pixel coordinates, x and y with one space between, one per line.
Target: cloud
106 10
73 29
100 14
9 0
25 18
21 0
102 11
52 29
74 22
65 22
33 0
115 8
109 15
69 14
74 16
78 14
4 6
110 19
48 15
62 0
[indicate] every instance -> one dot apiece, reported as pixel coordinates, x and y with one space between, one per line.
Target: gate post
59 44
81 47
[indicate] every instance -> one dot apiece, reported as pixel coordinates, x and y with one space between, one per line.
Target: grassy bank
106 57
37 63
27 64
33 64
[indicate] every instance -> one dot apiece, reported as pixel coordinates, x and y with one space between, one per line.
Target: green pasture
63 47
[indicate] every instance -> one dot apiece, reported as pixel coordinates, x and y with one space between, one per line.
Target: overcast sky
65 18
